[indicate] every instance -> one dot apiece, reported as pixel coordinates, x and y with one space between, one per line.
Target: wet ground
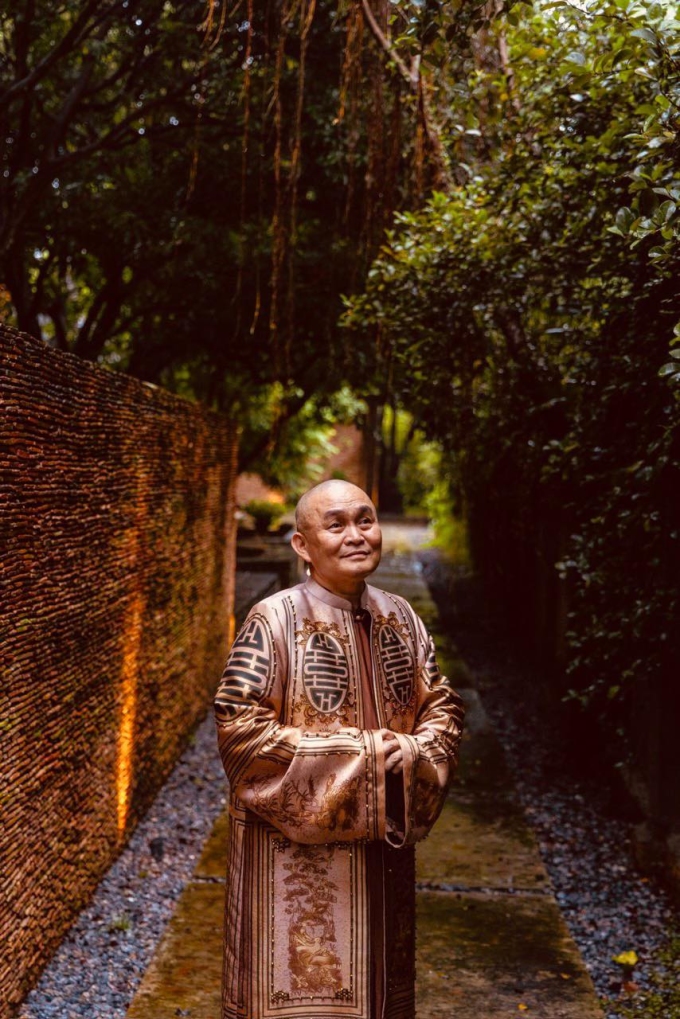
581 815
492 941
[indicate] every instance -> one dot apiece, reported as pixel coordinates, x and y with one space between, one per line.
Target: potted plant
264 513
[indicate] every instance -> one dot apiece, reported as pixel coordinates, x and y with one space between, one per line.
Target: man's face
340 536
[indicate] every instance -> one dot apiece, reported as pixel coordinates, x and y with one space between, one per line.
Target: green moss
120 923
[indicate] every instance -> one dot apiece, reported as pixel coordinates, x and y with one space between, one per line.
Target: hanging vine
278 216
387 127
245 141
307 12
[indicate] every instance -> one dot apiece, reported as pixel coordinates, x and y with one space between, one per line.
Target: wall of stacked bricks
350 460
118 523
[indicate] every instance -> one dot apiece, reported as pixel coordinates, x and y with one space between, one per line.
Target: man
339 737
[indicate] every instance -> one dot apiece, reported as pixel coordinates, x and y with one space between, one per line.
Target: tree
525 315
81 91
214 179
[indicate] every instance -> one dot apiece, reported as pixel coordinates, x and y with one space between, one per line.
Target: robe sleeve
314 787
431 750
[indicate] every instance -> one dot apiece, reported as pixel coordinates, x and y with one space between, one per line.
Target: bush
264 513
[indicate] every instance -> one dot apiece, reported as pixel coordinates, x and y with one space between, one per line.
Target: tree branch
77 32
59 127
414 78
382 40
108 140
101 317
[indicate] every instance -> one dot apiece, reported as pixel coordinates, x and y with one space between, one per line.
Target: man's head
338 534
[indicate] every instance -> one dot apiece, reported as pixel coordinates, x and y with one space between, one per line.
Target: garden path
492 942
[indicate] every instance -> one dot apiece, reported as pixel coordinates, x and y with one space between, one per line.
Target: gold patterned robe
320 901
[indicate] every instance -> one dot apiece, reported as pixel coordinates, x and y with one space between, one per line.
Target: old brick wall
116 505
350 460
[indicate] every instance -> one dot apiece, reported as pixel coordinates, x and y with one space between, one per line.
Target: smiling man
339 737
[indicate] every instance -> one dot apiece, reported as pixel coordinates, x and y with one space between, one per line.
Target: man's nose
354 535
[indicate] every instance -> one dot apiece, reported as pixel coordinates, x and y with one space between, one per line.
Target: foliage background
187 189
530 309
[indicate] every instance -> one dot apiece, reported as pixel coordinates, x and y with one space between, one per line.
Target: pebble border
609 905
99 965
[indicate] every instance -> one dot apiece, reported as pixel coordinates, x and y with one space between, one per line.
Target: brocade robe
320 900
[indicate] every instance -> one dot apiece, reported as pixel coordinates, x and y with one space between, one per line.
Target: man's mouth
361 553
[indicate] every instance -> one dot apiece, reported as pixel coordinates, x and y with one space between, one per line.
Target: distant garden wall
349 462
117 518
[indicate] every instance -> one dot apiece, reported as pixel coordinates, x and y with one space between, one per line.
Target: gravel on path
100 963
608 904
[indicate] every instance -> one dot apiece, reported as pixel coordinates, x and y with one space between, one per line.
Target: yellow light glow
232 629
133 636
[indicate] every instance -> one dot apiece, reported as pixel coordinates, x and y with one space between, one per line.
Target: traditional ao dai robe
320 901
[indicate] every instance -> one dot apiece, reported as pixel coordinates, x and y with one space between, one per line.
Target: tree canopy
187 186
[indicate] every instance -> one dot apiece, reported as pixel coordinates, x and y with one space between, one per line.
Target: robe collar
335 600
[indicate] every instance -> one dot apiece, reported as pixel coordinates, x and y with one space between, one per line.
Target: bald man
339 737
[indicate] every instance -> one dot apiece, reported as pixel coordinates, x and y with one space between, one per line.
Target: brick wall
349 461
251 486
116 504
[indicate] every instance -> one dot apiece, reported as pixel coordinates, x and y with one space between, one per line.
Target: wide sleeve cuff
375 784
409 748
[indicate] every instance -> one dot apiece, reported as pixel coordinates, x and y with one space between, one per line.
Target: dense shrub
529 312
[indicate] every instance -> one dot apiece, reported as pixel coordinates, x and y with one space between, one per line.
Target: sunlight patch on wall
126 733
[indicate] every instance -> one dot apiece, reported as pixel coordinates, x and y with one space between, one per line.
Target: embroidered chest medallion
325 669
395 658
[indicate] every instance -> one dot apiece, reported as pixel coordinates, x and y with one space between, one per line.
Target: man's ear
300 546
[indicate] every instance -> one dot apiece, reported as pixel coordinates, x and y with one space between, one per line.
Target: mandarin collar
335 600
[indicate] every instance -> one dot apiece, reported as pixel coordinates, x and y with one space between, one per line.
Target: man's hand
394 758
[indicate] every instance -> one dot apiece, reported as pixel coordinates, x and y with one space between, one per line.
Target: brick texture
349 461
116 503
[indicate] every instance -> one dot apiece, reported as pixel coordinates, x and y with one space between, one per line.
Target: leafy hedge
529 312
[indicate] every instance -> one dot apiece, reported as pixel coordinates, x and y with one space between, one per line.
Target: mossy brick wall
116 503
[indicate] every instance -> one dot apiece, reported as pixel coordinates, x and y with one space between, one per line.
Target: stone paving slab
185 973
468 849
213 861
481 840
484 956
483 771
492 943
250 588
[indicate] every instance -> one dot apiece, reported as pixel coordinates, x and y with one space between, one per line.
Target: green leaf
625 217
666 210
645 33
